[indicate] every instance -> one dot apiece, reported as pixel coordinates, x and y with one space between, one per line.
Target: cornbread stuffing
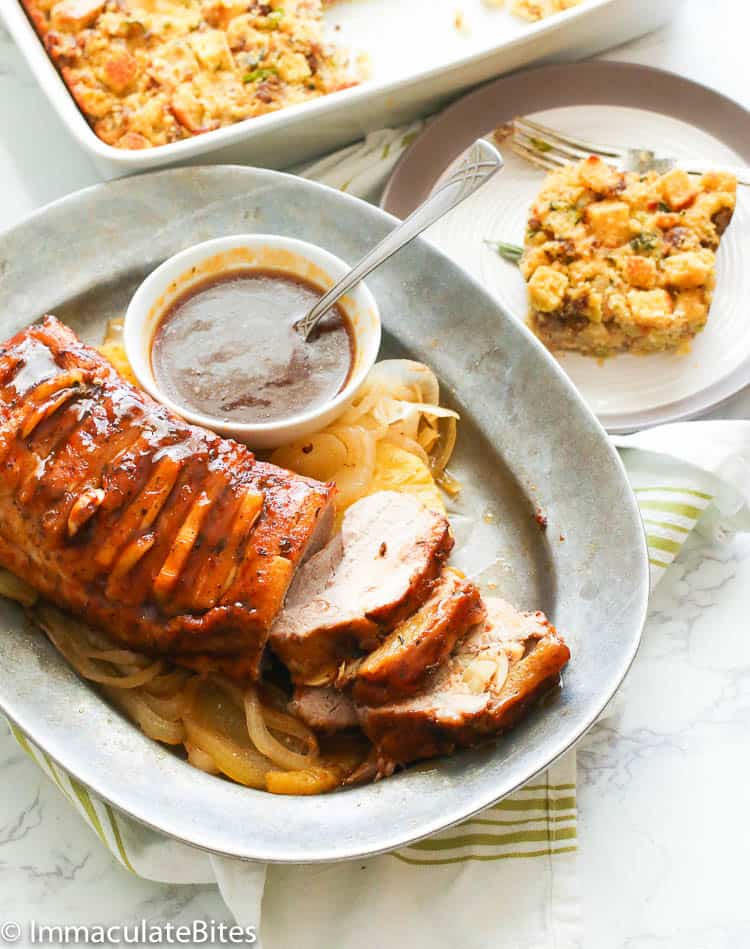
620 262
150 72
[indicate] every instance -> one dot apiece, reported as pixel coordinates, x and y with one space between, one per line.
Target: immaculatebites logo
142 933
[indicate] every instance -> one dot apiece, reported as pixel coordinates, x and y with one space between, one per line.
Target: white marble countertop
661 784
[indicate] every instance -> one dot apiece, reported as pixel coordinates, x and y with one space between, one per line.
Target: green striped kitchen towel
506 878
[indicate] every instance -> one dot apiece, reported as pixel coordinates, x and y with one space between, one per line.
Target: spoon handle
482 161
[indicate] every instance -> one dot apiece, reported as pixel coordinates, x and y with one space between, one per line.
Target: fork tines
551 149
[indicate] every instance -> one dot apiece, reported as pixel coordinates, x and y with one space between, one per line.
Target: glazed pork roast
181 543
172 539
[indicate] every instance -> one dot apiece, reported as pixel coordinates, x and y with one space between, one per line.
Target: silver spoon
481 163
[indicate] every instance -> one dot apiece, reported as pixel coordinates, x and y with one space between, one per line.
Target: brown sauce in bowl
228 348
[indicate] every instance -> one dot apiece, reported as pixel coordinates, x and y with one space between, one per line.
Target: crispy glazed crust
417 646
170 538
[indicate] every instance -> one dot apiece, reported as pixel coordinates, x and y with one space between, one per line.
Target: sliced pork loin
324 708
413 650
400 665
376 572
501 666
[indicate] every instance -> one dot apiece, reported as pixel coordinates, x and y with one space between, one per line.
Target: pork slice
418 644
324 708
377 571
503 623
483 688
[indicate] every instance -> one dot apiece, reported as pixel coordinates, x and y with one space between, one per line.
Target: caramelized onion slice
153 724
307 781
171 707
216 725
265 742
286 724
71 638
342 756
241 763
406 379
443 451
199 759
168 682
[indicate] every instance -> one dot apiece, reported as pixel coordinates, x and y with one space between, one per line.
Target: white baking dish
418 59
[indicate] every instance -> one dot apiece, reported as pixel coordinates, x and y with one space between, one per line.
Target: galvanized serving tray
527 443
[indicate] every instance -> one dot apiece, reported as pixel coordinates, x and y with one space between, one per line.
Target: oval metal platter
527 444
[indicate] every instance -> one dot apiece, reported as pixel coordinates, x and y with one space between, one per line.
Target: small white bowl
251 252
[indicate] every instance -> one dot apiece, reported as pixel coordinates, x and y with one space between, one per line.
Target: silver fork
551 149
